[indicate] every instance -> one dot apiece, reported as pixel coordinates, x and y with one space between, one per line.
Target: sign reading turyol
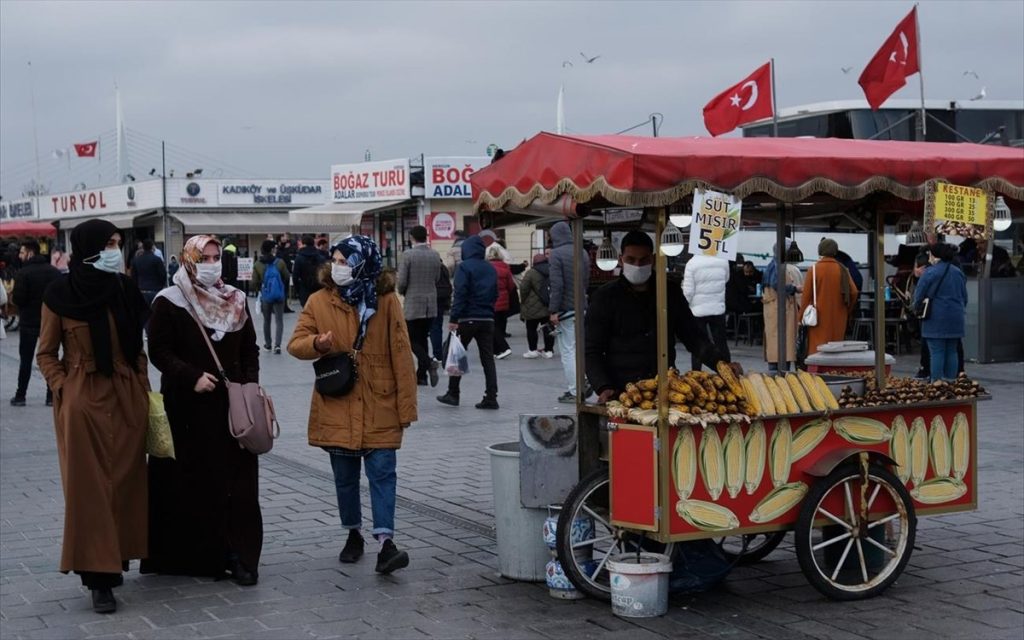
449 177
371 181
135 196
715 228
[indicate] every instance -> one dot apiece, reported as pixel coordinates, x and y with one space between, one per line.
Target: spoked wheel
845 555
586 538
751 548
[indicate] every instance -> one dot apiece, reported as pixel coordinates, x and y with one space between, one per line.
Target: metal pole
920 72
661 302
780 289
35 136
163 187
879 262
775 108
579 296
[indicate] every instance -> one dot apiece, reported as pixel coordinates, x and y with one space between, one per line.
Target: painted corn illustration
918 451
707 516
938 439
712 462
735 459
938 490
778 502
809 436
756 444
960 438
684 463
899 448
779 452
859 430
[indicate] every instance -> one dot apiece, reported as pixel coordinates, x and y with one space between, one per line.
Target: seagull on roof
588 59
980 96
972 73
846 69
566 63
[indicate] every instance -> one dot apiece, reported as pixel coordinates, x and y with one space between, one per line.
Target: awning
26 228
237 222
339 214
119 220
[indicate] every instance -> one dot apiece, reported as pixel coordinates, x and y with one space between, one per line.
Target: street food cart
850 480
14 232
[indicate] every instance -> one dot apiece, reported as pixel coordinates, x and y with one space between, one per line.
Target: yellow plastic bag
159 442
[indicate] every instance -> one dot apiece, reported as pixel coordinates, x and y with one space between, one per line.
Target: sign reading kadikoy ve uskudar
714 230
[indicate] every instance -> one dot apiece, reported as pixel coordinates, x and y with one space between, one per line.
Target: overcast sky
284 89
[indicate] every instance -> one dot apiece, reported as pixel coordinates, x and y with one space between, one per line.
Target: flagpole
35 135
920 72
775 108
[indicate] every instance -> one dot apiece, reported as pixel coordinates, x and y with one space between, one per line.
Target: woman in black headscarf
100 408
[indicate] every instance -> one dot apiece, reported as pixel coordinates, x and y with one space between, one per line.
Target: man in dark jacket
844 259
622 337
286 252
472 315
149 272
30 282
562 305
304 270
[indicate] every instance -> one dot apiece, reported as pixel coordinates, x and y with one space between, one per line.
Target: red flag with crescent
893 63
747 101
86 149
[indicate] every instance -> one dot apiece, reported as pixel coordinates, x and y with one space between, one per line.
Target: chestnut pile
912 391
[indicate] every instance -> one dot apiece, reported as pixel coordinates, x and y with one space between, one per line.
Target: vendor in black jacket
622 320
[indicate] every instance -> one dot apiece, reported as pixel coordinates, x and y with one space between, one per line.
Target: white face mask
208 274
635 274
110 260
341 274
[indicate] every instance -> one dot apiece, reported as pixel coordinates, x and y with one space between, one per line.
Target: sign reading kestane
371 181
448 177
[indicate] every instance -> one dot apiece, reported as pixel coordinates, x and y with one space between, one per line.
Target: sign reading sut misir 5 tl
371 181
715 228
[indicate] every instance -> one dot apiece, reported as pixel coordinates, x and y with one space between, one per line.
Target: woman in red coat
502 306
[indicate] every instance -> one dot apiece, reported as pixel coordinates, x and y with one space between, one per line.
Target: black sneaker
239 574
449 399
567 398
266 348
103 601
18 401
432 372
487 403
277 351
390 558
353 549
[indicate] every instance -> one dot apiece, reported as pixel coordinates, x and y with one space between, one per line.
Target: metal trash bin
522 554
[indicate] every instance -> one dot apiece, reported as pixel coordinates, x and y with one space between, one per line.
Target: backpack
544 290
444 289
272 289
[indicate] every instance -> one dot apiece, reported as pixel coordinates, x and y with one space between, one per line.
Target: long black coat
205 502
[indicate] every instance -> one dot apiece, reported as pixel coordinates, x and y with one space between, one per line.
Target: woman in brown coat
356 312
100 408
204 504
836 297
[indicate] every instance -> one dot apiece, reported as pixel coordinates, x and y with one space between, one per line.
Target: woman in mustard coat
357 310
836 296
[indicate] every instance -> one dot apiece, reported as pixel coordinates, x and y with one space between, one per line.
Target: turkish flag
86 149
895 61
746 101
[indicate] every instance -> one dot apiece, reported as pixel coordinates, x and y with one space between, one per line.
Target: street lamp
607 256
1003 218
671 240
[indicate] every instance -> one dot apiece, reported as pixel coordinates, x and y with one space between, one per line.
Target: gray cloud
288 88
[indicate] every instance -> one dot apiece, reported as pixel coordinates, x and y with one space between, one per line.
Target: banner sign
448 177
441 225
955 210
17 209
715 228
245 268
273 192
371 181
122 198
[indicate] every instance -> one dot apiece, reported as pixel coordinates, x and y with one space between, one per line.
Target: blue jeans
380 471
567 350
942 352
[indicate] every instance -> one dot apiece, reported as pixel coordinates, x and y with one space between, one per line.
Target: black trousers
500 326
483 332
716 325
419 337
27 339
96 580
532 327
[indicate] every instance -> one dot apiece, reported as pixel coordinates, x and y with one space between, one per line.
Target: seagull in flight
846 69
972 73
980 96
566 63
589 60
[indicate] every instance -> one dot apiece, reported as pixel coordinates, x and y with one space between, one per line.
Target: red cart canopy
34 229
637 171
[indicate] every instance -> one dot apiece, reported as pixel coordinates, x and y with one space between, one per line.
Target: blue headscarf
363 256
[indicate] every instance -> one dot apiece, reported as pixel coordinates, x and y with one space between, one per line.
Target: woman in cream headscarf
836 296
204 506
794 282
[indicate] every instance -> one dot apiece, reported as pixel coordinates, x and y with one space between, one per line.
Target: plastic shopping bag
457 362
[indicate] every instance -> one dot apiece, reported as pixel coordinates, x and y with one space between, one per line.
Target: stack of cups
559 585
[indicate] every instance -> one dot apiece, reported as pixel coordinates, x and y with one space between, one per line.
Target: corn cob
797 389
826 393
938 490
961 445
712 462
735 459
646 404
780 452
859 430
684 467
764 399
811 389
899 448
809 436
940 451
729 377
648 395
778 502
650 384
756 451
782 389
918 451
682 388
707 516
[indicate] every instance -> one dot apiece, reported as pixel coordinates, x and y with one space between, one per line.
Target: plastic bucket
522 554
639 588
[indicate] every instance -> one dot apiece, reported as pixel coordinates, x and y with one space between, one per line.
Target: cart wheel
751 548
586 538
844 556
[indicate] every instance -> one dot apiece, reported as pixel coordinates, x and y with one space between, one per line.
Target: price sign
715 228
957 210
245 268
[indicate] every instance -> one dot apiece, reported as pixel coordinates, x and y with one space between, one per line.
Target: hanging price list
955 203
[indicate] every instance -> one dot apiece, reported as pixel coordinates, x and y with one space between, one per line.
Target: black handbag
923 309
336 374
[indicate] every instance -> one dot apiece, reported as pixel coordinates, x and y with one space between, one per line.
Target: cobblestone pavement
965 579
